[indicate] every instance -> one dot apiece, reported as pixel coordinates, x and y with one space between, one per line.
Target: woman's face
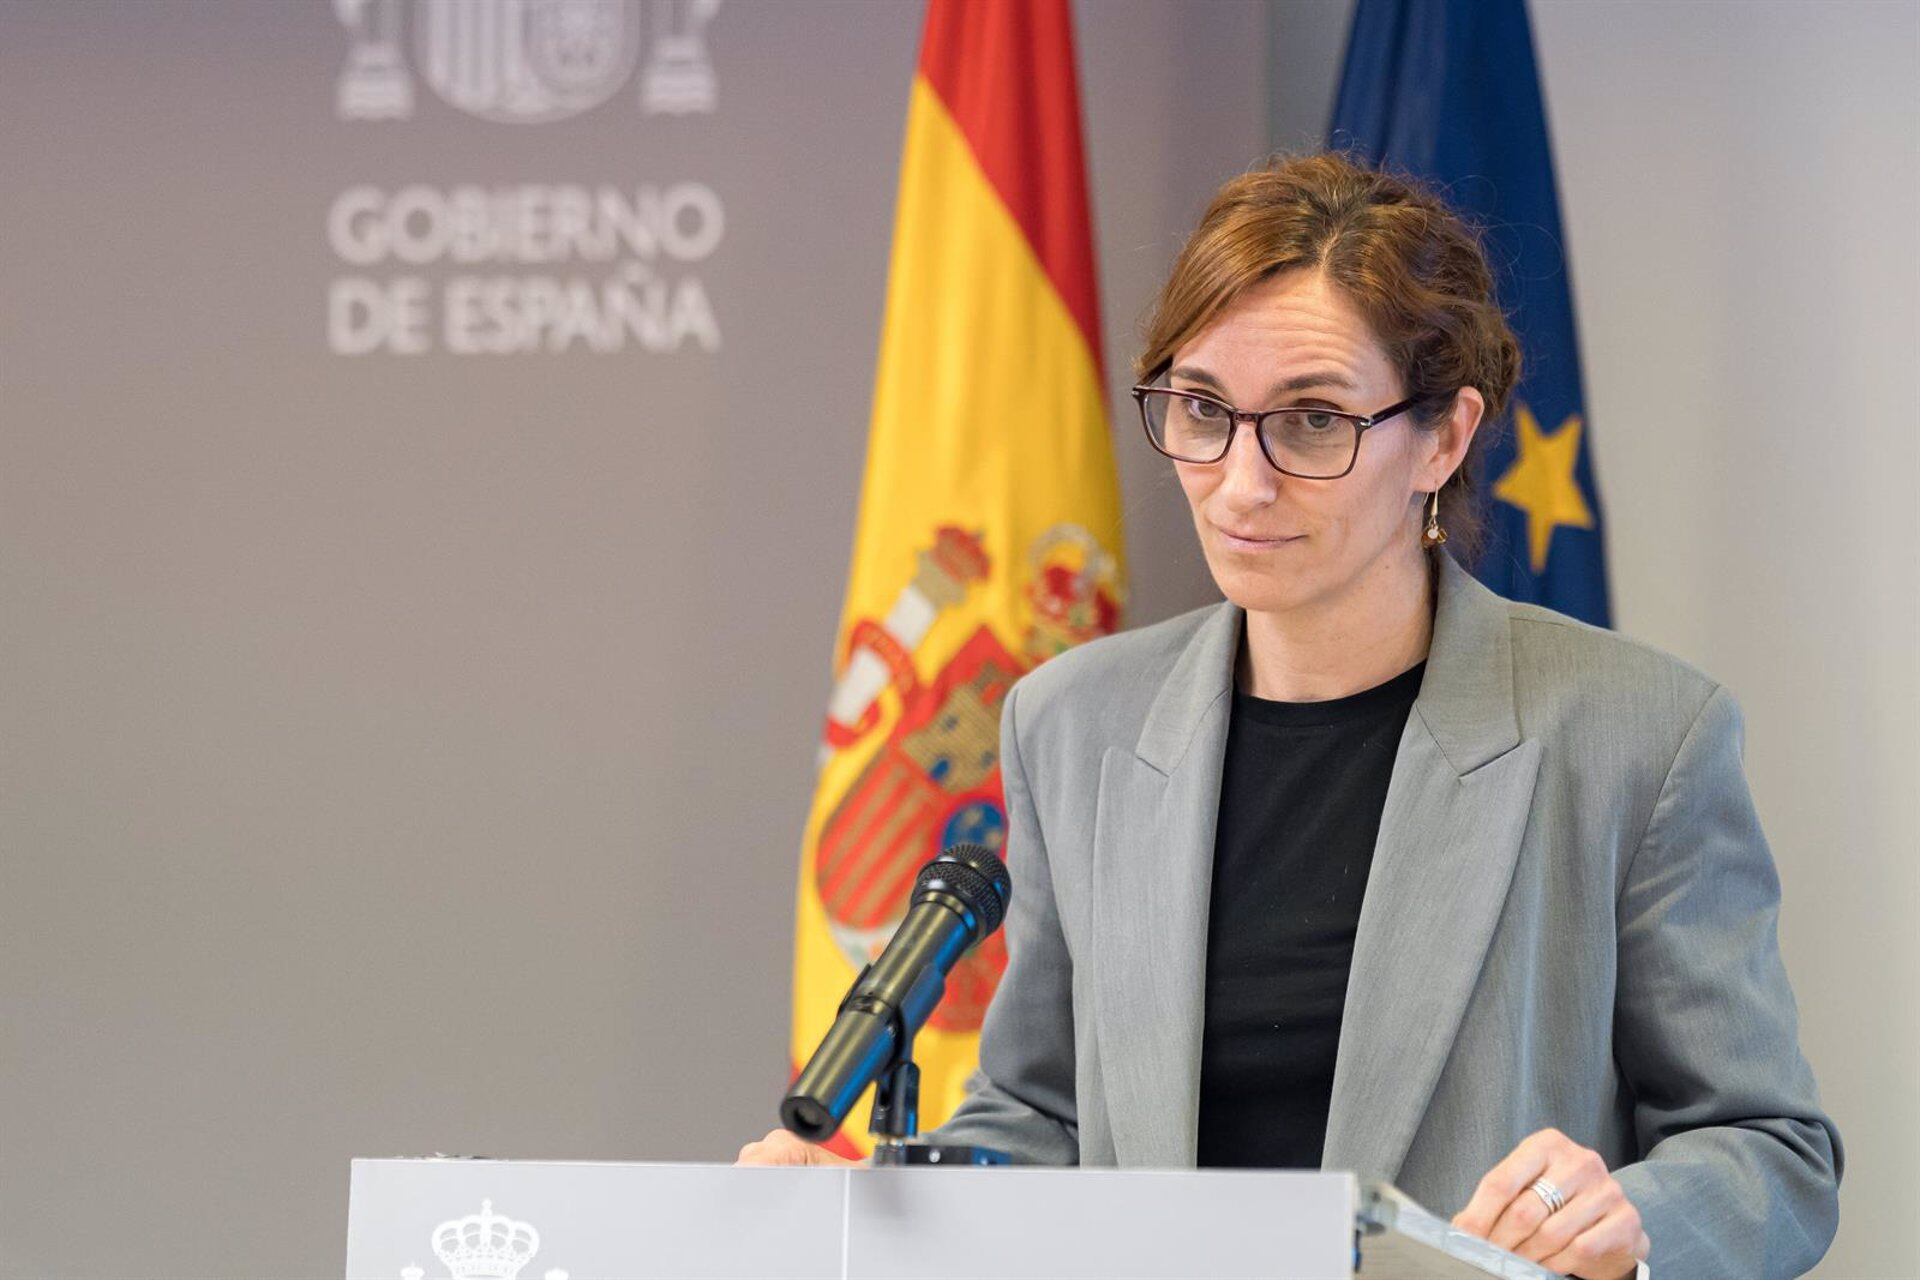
1276 543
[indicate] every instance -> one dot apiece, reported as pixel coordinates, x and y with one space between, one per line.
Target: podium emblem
484 1246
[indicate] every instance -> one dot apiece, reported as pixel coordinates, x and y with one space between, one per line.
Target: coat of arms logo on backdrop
525 61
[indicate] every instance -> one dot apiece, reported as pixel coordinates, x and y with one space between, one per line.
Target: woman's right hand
783 1146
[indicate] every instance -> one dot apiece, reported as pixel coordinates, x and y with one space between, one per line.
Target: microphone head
806 1117
973 874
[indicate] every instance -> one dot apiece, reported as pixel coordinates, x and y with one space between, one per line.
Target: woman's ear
1449 441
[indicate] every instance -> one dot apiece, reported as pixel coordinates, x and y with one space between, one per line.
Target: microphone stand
896 1119
896 1108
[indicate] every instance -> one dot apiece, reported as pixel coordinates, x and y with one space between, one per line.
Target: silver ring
1549 1196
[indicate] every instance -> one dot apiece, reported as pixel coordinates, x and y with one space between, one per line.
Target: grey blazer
1569 922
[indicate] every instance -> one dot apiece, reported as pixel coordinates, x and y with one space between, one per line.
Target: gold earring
1434 535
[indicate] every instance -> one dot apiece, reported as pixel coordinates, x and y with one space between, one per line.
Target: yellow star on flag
1540 482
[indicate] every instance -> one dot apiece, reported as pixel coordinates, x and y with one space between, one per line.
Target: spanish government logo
935 779
484 1246
525 61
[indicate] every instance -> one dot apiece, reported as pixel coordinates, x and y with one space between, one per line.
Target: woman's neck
1379 628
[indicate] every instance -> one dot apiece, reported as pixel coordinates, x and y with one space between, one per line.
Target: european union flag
1447 90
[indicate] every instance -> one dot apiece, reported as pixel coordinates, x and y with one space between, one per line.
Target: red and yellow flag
989 530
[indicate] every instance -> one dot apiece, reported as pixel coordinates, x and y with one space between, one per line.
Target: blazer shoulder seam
1714 693
1608 636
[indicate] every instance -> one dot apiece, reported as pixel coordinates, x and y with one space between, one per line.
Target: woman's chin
1258 592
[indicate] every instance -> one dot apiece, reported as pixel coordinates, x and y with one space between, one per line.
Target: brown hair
1412 267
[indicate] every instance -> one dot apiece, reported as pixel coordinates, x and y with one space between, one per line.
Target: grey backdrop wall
407 752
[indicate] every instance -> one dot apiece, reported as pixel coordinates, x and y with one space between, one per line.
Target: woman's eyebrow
1191 374
1318 378
1299 382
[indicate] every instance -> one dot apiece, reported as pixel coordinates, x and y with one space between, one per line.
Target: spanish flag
989 529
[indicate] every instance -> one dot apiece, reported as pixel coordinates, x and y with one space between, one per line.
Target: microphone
958 899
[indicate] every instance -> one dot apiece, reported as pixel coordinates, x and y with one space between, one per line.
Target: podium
450 1219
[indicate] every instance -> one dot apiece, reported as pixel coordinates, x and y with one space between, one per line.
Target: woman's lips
1249 542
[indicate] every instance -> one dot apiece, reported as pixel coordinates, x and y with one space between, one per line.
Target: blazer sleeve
1021 1100
1741 1168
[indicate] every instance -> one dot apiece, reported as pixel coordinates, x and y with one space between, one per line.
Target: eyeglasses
1304 441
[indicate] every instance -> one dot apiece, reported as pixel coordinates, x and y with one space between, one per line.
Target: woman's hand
782 1146
1595 1235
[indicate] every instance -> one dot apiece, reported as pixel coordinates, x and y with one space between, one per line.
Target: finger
778 1147
1607 1249
1526 1213
1572 1171
1506 1180
1561 1229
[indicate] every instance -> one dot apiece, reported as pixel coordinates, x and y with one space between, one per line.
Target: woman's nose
1247 479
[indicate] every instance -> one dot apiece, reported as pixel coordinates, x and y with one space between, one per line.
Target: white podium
451 1219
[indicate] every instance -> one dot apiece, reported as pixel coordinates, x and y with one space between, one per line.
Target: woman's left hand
1595 1235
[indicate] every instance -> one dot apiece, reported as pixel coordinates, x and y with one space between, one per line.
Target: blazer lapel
1153 871
1457 807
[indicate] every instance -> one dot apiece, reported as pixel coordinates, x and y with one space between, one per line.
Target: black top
1300 803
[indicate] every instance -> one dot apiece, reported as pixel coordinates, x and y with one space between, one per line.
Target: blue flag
1447 91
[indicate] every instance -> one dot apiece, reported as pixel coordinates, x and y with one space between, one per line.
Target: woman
1562 1006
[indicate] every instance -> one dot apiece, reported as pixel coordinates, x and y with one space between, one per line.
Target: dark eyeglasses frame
1361 422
